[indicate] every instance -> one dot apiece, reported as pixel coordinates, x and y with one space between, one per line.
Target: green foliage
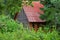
11 30
28 35
52 12
7 24
10 7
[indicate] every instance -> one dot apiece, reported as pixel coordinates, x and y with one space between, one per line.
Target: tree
10 7
52 12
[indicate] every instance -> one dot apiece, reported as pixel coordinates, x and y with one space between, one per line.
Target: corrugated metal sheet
37 6
32 16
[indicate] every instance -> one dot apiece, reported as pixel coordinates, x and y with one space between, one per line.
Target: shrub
7 24
11 30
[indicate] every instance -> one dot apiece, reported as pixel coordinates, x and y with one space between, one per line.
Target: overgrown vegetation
12 30
52 13
10 7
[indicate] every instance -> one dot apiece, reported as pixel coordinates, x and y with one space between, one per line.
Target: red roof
37 6
32 14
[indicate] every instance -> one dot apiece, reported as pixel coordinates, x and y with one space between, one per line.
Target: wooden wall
21 18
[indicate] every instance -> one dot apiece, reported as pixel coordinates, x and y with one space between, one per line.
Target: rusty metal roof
32 13
37 6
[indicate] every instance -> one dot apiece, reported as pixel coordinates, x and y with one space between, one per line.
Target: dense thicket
51 12
10 7
12 30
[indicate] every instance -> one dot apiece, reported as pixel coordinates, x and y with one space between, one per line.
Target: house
29 15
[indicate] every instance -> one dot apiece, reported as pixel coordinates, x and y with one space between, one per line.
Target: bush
11 30
8 25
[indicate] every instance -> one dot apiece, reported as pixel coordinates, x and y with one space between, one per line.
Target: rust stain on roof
33 13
